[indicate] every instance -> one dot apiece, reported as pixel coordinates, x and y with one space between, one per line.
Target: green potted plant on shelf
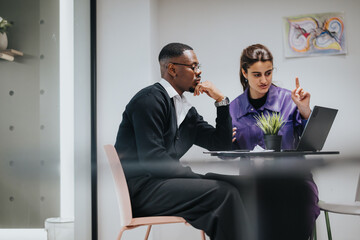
271 124
4 26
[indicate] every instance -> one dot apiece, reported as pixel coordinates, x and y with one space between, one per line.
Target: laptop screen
317 129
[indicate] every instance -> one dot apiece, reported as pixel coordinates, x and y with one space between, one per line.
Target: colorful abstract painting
314 34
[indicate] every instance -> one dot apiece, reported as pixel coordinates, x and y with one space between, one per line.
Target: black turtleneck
258 103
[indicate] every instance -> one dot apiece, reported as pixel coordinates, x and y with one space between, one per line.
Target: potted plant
271 124
4 26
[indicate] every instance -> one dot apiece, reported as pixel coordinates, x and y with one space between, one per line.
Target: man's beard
192 89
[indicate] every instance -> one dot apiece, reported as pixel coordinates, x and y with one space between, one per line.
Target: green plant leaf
271 123
4 25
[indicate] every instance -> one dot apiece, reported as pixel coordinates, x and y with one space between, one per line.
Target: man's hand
234 132
210 89
302 99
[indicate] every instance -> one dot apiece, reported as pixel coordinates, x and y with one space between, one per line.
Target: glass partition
30 115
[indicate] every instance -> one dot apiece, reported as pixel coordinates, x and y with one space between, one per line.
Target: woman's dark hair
251 55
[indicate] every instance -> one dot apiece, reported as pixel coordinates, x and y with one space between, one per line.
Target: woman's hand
302 99
234 132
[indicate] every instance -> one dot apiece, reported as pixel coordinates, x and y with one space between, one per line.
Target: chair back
122 191
357 196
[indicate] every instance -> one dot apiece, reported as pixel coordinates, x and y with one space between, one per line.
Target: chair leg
148 232
120 233
202 235
327 220
314 235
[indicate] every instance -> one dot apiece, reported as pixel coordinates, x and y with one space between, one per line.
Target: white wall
124 67
131 33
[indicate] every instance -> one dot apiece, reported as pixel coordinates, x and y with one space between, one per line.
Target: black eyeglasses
194 67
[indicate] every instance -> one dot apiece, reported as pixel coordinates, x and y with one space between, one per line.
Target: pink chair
126 219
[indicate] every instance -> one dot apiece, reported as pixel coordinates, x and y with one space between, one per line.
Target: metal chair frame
338 208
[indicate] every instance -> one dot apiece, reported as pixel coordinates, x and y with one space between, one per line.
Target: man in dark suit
158 127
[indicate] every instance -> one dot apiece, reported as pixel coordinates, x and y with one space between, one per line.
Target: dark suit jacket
149 141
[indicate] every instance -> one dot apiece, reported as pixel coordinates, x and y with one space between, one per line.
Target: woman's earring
246 80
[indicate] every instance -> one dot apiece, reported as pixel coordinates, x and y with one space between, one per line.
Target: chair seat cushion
342 208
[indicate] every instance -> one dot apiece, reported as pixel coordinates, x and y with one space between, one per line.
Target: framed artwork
314 34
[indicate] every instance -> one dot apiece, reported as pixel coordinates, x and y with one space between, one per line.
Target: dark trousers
211 205
280 206
287 207
231 207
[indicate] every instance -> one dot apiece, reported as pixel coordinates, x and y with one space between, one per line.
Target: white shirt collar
169 89
182 106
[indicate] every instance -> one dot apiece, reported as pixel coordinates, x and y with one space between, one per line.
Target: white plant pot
3 41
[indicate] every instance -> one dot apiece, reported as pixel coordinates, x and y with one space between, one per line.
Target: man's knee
225 192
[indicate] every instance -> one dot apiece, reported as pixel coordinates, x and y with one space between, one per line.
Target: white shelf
9 54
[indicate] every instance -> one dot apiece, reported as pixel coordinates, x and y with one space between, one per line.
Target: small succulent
4 25
270 124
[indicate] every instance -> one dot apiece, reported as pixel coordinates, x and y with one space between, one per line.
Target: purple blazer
248 134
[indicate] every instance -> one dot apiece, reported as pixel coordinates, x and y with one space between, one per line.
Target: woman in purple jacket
281 199
261 96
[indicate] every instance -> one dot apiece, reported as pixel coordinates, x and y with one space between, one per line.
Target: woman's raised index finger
297 82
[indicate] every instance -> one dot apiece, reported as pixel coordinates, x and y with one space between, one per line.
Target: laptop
317 129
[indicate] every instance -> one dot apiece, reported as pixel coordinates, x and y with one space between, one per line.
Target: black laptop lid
317 129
